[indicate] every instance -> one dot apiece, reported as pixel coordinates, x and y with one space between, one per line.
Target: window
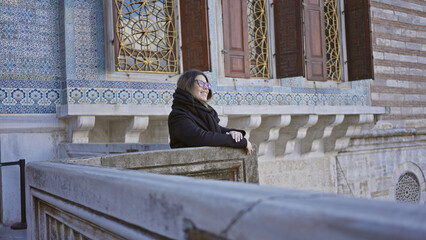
332 40
407 188
245 31
308 39
258 38
145 36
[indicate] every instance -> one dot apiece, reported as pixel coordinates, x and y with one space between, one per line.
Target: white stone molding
288 133
354 126
138 124
289 136
268 132
248 123
294 146
31 123
318 145
79 128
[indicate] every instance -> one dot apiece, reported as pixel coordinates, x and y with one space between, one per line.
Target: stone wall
399 47
373 167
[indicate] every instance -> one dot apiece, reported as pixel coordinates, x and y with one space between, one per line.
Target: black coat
192 124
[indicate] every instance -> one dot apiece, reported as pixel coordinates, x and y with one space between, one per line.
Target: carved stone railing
76 201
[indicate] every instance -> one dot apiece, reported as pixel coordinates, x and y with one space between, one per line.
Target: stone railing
82 199
218 163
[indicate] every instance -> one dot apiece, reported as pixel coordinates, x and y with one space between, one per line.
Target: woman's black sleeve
184 129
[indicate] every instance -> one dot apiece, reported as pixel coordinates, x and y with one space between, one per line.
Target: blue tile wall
40 40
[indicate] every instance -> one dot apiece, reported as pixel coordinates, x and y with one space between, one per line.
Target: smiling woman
193 122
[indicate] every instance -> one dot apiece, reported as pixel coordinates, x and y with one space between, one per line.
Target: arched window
407 188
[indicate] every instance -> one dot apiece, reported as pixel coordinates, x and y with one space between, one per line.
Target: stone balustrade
81 198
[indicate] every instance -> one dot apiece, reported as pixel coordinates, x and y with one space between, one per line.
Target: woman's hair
187 79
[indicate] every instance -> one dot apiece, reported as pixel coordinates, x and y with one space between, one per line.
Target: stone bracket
248 123
295 135
137 125
79 128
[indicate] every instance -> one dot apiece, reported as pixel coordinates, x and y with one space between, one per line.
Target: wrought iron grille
407 188
258 38
332 39
146 36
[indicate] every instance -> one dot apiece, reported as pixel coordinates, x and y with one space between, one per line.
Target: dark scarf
184 101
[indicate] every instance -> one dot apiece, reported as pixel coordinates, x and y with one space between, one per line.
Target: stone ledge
153 110
31 123
135 205
203 162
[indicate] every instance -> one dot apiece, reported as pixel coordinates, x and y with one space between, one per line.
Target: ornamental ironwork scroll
258 38
145 38
332 39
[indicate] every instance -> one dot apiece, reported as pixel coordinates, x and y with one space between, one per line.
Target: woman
193 122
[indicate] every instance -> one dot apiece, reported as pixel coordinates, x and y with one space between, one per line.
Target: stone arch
413 168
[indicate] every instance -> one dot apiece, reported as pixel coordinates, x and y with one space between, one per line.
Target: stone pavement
6 233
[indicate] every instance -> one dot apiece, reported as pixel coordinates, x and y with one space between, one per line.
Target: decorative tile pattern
29 36
37 45
160 94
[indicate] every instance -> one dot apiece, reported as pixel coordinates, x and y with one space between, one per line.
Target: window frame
220 60
110 52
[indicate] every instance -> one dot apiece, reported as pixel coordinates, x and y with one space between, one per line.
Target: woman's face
198 91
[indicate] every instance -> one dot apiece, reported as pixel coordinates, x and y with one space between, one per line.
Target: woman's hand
237 136
249 148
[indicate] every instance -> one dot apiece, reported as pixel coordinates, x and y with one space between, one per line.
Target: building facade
330 91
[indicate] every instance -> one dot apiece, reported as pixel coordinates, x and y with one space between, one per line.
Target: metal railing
21 163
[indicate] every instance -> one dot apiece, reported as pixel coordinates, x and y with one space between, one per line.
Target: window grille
332 39
407 188
145 36
258 38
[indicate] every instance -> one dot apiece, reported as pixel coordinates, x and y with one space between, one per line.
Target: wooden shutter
358 39
316 55
235 38
288 38
195 35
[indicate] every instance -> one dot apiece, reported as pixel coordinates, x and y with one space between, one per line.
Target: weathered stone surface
73 200
219 163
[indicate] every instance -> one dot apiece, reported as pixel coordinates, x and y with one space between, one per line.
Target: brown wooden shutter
316 55
195 35
358 39
288 38
235 38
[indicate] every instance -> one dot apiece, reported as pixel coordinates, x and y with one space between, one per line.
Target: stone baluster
79 128
138 124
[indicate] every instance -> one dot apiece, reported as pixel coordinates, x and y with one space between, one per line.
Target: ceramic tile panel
41 40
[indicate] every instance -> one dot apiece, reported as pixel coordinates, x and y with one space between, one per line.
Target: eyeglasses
203 84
